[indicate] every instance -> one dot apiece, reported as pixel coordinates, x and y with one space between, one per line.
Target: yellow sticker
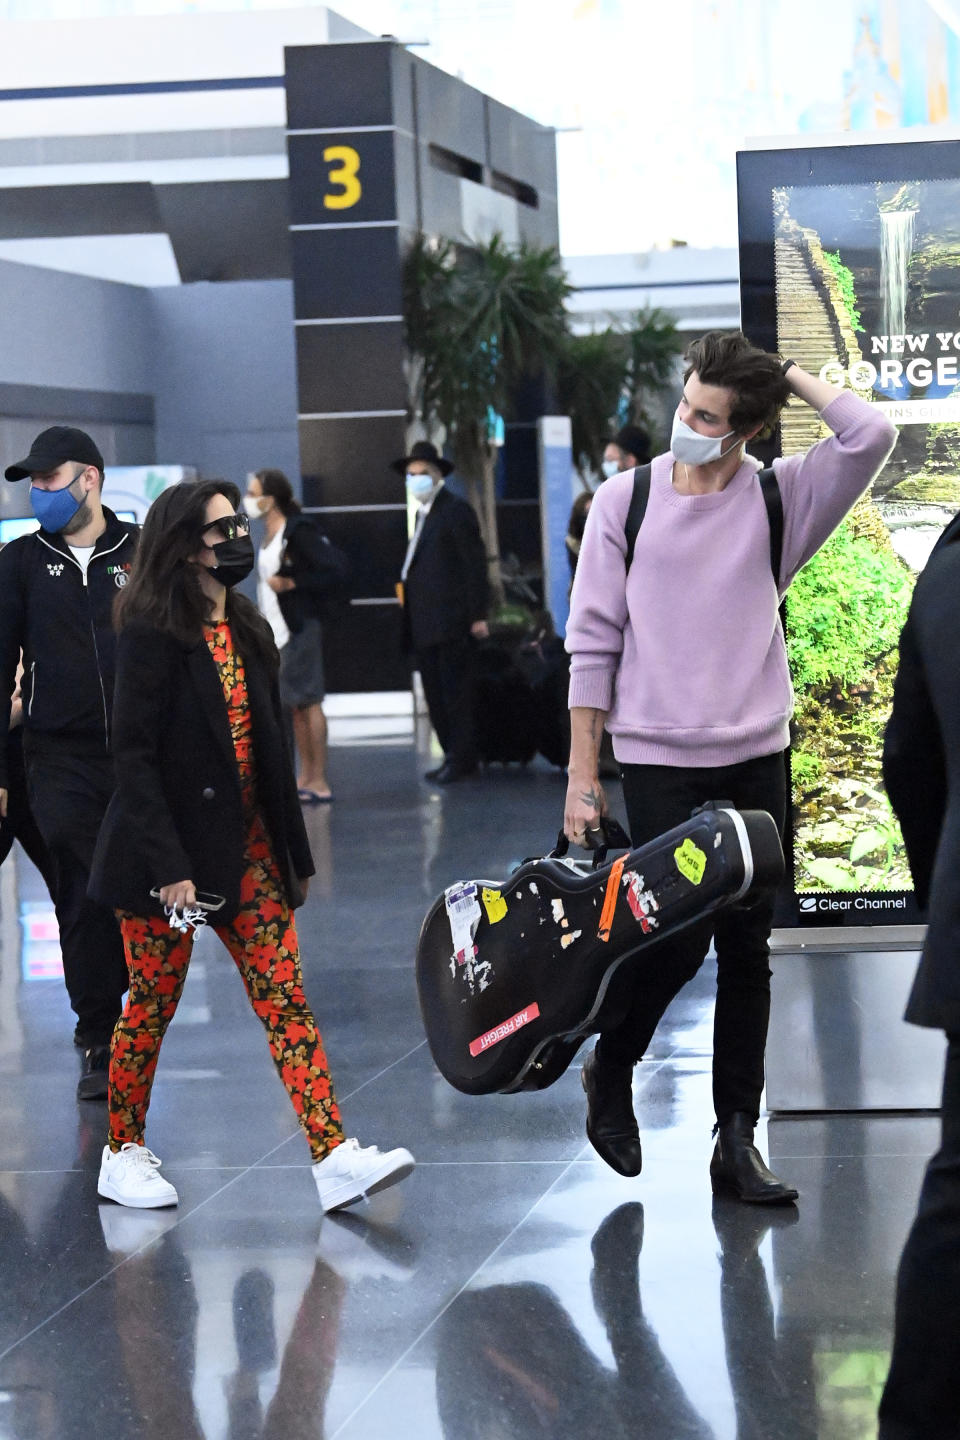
691 861
494 904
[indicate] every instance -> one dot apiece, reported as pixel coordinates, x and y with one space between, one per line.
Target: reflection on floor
514 1287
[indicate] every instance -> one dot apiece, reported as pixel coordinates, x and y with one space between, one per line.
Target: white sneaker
131 1177
352 1171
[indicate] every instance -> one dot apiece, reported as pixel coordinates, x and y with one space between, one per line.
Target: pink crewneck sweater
688 657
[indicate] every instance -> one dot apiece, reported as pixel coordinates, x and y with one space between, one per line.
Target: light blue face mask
420 486
55 508
610 468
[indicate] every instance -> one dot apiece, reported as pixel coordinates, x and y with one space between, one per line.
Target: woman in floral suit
206 808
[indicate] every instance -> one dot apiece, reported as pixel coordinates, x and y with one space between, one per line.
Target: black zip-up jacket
61 621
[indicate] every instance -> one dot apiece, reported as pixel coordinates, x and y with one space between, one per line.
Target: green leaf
867 842
832 873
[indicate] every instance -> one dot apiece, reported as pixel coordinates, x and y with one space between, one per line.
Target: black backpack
771 498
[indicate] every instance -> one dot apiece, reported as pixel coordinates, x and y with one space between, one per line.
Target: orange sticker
610 899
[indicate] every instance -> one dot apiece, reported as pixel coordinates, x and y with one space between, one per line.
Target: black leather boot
611 1124
738 1167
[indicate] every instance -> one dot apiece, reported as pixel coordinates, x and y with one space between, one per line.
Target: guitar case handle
610 835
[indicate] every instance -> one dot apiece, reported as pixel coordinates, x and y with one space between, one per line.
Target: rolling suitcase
512 973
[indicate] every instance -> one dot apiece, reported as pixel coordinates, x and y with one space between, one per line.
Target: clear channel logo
817 904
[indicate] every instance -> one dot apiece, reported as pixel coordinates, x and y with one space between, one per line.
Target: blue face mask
420 486
54 508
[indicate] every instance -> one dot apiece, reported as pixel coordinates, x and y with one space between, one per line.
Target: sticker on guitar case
505 1028
610 899
494 904
642 902
477 973
691 861
463 912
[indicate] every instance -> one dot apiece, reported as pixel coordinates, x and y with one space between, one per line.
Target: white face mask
421 487
251 504
691 448
610 468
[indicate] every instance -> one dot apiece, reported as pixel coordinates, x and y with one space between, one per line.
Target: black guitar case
512 973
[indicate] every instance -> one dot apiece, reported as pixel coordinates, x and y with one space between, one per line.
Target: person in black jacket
921 768
205 814
445 601
297 572
57 588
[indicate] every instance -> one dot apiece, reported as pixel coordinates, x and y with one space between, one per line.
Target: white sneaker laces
145 1160
358 1159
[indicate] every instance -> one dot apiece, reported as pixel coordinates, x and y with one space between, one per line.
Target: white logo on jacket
56 570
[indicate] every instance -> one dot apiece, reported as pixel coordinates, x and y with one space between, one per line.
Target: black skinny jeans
658 797
921 1400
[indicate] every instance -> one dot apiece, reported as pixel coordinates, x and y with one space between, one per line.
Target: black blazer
176 812
921 768
446 589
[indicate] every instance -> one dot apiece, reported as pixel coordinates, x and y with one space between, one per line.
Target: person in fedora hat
445 596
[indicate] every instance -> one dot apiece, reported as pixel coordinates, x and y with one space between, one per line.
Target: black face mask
235 559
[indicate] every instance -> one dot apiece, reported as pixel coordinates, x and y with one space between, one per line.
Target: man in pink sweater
682 658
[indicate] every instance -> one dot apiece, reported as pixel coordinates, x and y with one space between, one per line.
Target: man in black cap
445 600
629 448
57 588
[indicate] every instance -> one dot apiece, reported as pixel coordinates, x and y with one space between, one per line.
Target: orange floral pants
262 939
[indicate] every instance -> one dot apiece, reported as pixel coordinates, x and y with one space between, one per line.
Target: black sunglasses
229 527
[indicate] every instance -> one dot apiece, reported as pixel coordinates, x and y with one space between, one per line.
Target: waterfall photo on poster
868 296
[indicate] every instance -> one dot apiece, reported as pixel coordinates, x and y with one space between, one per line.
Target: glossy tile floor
514 1288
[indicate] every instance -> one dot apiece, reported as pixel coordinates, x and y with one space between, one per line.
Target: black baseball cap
51 448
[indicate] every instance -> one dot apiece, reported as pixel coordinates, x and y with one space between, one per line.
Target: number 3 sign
344 164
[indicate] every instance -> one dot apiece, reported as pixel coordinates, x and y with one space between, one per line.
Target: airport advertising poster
867 289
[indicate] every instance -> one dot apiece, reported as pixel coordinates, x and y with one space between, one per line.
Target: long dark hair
275 484
164 587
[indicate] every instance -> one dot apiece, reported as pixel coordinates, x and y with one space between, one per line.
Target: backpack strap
637 510
774 503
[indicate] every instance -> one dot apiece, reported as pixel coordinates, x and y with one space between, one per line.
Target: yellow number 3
345 175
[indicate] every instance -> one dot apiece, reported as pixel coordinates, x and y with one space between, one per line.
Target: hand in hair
811 388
